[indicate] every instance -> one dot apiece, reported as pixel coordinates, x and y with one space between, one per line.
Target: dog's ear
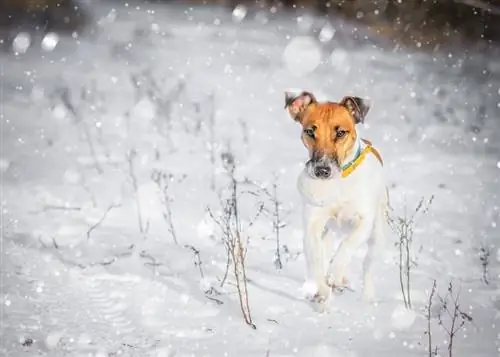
297 104
358 107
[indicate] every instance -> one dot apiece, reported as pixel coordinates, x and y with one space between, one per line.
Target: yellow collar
350 167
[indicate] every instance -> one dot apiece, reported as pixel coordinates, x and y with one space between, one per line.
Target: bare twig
278 225
484 257
211 128
198 261
429 309
146 85
403 226
456 315
64 260
230 225
135 186
103 217
217 301
277 221
162 180
68 103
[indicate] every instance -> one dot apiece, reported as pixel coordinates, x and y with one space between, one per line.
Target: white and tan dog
343 180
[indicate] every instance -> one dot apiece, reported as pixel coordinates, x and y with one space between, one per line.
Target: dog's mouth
322 170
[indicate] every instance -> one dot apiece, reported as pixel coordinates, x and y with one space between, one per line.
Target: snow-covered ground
182 86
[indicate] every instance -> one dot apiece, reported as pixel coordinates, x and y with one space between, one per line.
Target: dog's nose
322 171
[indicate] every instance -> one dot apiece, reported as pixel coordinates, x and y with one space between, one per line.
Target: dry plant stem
277 225
87 189
211 126
458 317
429 331
147 85
80 265
198 261
162 181
131 171
484 257
401 275
239 255
224 225
86 131
403 226
407 244
103 217
228 265
452 331
230 225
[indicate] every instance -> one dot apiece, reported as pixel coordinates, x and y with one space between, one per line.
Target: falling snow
21 42
302 55
239 13
50 41
89 264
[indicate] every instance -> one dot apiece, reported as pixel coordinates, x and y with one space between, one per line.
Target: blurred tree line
42 15
419 21
425 22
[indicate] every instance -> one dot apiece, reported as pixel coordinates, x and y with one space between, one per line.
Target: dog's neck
357 148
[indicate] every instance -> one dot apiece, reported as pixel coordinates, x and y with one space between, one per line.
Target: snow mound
52 340
402 318
326 351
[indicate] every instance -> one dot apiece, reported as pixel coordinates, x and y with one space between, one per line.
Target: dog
343 180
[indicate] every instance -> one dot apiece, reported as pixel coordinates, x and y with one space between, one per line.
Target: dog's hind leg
375 247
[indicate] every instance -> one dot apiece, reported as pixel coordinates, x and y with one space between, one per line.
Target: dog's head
328 130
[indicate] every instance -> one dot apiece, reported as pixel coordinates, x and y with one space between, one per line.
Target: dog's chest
342 197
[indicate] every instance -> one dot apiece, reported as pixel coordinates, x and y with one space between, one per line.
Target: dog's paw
321 307
321 302
337 284
316 294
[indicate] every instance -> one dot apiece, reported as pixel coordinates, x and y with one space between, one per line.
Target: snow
21 42
81 276
4 165
302 55
326 33
49 41
53 339
239 13
402 318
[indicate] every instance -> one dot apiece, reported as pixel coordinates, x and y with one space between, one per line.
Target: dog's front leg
315 219
338 266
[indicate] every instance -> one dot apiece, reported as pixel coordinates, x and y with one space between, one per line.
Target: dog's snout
322 171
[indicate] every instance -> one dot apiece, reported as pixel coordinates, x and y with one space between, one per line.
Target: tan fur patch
326 120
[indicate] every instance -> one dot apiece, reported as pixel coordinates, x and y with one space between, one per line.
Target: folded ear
297 104
358 107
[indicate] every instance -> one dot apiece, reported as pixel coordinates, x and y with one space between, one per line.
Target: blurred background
420 23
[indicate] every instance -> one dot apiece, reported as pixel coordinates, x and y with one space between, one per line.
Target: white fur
361 198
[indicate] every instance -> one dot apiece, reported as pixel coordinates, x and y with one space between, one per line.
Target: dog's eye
309 132
341 133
